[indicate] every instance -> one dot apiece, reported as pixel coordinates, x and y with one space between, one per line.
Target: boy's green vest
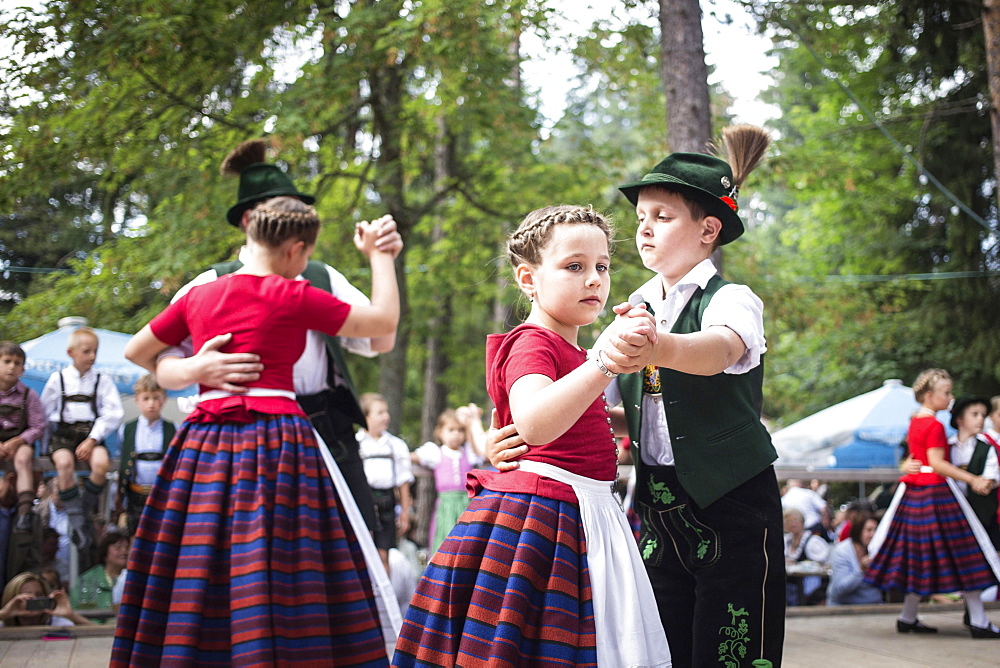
318 277
127 455
715 430
985 507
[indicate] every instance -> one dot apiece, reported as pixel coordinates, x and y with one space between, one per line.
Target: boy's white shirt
109 403
961 454
378 468
733 306
310 369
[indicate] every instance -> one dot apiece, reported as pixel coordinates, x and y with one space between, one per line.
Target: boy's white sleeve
613 394
739 309
109 409
342 289
50 397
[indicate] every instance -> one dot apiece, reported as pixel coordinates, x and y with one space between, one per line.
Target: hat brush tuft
246 154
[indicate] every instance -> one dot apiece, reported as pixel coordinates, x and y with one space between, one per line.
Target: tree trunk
685 81
991 28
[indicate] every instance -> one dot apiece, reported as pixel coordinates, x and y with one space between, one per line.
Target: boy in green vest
971 452
144 441
706 493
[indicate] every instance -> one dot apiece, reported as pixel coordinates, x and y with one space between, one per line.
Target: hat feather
246 154
744 147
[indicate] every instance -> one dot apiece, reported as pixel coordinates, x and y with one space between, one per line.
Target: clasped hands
627 345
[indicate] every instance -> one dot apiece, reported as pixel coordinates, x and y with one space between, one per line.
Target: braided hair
276 220
926 381
526 243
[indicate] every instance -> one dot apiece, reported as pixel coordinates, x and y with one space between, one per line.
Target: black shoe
965 618
25 523
990 631
915 627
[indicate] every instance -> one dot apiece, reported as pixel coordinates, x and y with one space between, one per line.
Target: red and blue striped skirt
242 558
929 547
508 587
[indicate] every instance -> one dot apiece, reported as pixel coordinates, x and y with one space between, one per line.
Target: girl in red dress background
250 550
929 540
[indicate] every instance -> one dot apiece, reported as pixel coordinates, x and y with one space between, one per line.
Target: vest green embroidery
660 492
733 650
649 548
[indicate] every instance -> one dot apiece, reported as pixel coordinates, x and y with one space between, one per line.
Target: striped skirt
241 557
509 586
926 544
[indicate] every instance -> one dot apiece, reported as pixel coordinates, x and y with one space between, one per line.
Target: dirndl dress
245 555
512 584
930 541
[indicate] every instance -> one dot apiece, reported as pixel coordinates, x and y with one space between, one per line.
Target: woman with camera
26 601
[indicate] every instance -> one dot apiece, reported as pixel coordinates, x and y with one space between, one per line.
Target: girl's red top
926 432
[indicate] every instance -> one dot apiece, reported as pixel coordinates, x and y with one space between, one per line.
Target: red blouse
267 315
926 432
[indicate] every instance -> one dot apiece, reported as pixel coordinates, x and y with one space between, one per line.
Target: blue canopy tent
859 433
47 354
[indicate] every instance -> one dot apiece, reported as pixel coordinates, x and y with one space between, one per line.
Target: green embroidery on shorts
733 650
660 492
649 548
703 542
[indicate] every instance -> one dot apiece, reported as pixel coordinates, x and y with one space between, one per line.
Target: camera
40 603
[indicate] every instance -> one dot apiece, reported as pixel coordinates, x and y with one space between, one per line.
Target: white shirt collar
149 425
699 275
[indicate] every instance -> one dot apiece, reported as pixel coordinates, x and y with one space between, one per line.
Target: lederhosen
9 411
384 504
711 525
132 495
985 507
335 414
68 435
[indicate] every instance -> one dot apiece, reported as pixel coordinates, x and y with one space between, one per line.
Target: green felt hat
705 179
260 181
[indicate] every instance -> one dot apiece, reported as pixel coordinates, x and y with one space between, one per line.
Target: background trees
115 116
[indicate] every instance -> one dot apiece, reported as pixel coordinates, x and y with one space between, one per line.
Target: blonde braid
926 381
526 243
274 221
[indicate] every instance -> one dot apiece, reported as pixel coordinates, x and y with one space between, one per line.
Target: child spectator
926 543
854 509
848 564
387 466
459 448
55 541
144 441
84 408
250 549
991 433
541 569
22 422
22 588
978 457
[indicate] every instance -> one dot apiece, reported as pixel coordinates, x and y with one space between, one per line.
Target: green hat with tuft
259 180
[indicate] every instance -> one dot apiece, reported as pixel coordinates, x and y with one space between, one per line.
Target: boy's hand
402 524
627 345
84 450
982 486
226 371
503 445
367 235
6 449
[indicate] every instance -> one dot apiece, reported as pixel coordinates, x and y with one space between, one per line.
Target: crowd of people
271 525
939 535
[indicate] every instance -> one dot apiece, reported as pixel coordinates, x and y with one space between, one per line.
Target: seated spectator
855 509
801 546
806 501
849 561
15 607
93 588
51 576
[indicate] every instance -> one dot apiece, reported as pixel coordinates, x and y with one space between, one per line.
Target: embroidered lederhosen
132 492
68 435
8 411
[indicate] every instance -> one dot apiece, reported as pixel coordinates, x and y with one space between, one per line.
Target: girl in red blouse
929 541
250 550
542 568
